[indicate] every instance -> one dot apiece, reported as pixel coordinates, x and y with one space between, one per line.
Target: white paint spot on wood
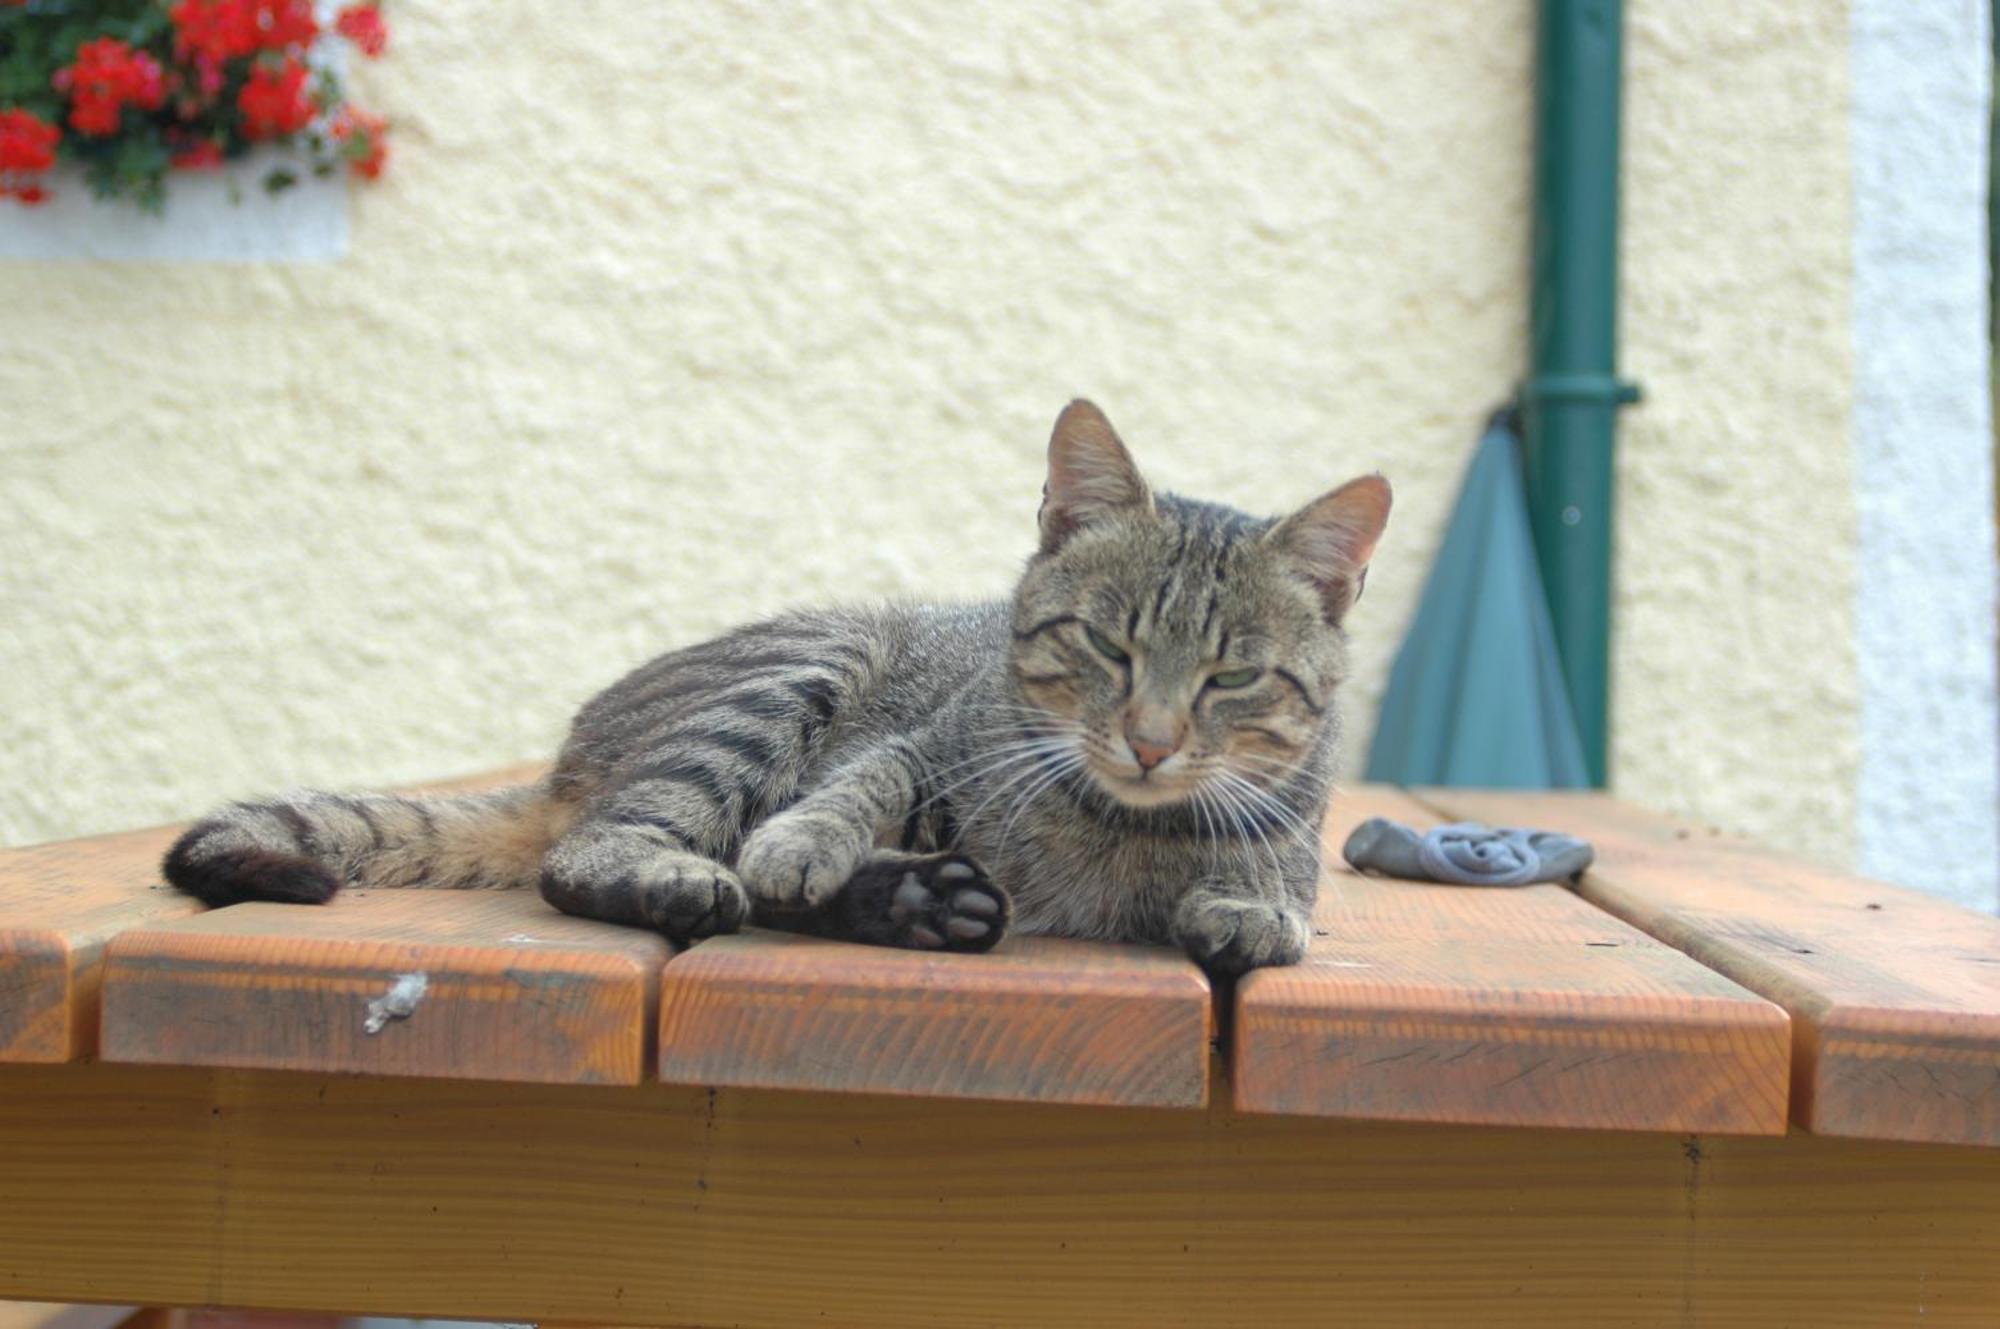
398 1003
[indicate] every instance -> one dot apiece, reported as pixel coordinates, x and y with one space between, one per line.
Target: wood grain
1894 995
513 990
63 1315
1522 1007
61 902
670 1205
1034 1019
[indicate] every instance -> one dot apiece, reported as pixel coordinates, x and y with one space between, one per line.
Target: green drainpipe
1569 404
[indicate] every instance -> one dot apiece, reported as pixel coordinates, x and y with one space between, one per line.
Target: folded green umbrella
1476 696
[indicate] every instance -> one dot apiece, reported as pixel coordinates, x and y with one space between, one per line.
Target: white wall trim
1929 794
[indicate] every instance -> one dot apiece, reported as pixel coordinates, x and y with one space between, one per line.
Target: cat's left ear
1333 537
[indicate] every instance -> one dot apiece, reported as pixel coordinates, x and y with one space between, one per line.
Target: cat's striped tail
304 846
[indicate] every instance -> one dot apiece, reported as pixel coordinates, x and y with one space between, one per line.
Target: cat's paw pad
940 903
688 897
797 862
1228 937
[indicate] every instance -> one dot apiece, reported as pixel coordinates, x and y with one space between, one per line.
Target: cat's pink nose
1150 754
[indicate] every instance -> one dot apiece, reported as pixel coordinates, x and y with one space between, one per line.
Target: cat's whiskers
1246 825
994 752
1027 771
1027 722
1210 809
1201 812
996 760
1272 806
1014 736
1016 717
1283 816
1063 767
1276 767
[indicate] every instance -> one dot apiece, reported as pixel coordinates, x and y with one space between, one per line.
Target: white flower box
211 216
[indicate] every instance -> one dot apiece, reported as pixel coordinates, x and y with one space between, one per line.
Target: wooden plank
1034 1019
59 905
61 902
63 1315
1894 995
493 985
1520 1007
672 1205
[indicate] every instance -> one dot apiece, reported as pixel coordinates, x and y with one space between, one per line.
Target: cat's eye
1234 678
1104 646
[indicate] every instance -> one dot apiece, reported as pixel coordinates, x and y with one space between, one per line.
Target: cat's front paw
925 902
798 860
1229 936
688 897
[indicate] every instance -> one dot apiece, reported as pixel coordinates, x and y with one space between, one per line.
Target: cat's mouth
1144 789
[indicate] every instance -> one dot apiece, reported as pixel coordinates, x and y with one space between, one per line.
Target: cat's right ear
1332 538
1091 475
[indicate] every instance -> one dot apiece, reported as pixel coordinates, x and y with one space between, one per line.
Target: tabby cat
1138 746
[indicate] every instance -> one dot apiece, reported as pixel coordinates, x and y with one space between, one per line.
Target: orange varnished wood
1519 1006
1036 1019
1894 995
673 1205
512 989
65 1315
60 903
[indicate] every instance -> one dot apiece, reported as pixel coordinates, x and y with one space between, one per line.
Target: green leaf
280 179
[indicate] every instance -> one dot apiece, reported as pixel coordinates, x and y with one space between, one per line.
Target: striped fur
302 846
1137 746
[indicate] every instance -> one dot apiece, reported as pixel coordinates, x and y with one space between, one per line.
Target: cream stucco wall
1736 693
666 318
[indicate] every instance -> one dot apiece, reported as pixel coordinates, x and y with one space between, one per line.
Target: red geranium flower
218 30
201 155
27 145
214 30
363 140
285 23
274 101
107 77
362 24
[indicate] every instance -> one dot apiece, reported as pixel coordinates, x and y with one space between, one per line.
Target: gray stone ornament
1466 853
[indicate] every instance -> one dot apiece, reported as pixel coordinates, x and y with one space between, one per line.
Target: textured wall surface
1735 691
1923 447
666 318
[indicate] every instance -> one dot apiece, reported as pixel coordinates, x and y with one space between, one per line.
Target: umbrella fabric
1476 697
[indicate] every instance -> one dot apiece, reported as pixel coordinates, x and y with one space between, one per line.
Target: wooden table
1710 1085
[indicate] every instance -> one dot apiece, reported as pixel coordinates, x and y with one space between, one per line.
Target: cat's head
1178 651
